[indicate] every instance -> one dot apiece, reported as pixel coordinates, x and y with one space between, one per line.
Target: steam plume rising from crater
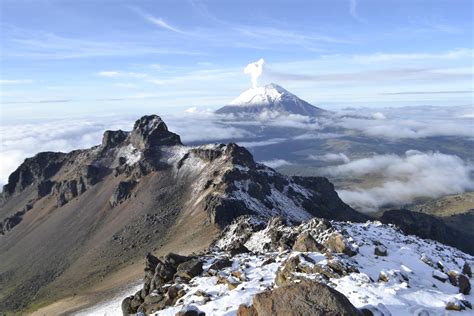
255 70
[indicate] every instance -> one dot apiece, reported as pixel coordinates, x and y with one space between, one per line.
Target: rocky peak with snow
150 131
320 267
263 96
131 193
269 98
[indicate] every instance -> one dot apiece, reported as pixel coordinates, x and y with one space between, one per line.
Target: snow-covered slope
269 98
406 276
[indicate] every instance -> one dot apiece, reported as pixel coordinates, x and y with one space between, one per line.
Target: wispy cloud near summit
158 21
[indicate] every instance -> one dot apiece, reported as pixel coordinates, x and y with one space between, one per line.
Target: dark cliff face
40 167
428 227
136 191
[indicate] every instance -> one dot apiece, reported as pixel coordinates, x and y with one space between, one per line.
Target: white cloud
160 22
331 157
157 21
387 57
18 81
32 44
25 140
276 163
410 122
260 143
404 178
22 140
378 116
353 10
111 74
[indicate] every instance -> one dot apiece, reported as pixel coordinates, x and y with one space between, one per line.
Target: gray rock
189 269
220 264
238 249
127 306
380 251
112 139
150 131
190 310
122 192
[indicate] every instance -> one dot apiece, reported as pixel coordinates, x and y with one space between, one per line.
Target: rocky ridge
137 191
319 267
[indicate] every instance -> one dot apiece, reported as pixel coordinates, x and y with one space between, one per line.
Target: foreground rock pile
316 268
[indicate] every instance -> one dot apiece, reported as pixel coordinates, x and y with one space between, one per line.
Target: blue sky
67 58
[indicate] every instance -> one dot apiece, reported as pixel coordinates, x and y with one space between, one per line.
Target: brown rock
231 282
305 298
173 292
306 243
458 305
464 284
239 275
466 269
245 310
337 243
453 277
383 277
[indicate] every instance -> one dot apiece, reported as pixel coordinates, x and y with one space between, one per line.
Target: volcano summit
269 98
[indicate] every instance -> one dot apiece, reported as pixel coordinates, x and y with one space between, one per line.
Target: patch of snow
411 288
130 153
263 96
111 307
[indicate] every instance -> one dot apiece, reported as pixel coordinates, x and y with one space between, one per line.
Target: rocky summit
320 267
69 221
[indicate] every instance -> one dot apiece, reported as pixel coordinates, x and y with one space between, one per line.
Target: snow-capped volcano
270 98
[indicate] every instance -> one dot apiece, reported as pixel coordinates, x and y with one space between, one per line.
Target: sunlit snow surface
113 306
421 292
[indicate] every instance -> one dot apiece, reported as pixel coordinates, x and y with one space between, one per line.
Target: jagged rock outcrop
33 170
162 286
122 192
150 132
275 278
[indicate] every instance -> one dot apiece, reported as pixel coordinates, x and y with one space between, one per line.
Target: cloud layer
404 178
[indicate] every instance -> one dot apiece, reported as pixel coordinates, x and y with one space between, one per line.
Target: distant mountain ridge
269 98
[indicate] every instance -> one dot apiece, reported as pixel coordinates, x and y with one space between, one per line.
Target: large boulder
464 284
306 243
305 298
127 306
189 269
337 243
